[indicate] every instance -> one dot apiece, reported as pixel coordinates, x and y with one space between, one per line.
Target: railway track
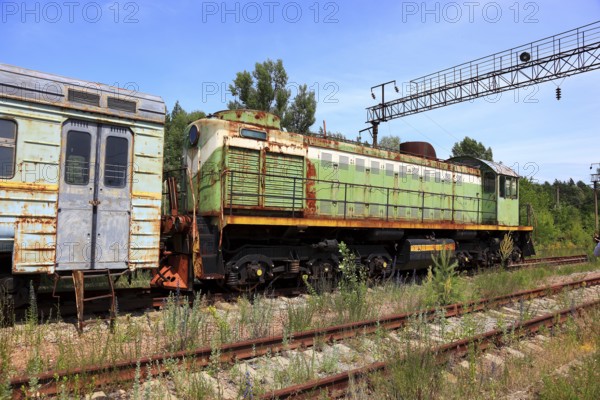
562 260
126 371
136 299
337 385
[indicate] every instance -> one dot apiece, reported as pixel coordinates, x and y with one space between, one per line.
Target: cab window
489 182
8 140
508 187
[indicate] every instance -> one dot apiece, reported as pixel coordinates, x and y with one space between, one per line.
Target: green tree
556 227
175 123
390 142
265 89
301 114
471 147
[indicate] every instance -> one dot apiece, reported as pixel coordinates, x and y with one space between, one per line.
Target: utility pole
595 179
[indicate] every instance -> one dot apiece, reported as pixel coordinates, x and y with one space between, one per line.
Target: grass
184 327
582 383
414 374
52 344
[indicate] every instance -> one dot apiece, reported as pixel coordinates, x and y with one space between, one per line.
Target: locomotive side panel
351 185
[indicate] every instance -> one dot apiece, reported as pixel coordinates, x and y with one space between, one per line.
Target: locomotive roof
40 87
498 168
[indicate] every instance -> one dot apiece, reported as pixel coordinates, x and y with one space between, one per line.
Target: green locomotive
260 203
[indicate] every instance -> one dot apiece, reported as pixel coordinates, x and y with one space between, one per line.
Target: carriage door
94 197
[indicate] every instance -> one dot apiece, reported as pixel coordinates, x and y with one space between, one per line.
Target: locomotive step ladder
79 277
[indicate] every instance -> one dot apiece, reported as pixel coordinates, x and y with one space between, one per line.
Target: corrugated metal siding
28 199
146 199
244 165
31 215
145 232
281 189
35 246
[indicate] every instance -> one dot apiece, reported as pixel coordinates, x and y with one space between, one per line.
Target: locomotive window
77 164
252 134
375 167
489 182
513 187
389 169
8 140
326 160
415 173
344 162
115 162
508 187
360 165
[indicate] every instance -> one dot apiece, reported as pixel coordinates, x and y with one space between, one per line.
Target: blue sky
190 51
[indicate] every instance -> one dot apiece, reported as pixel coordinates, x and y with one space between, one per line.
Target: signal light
558 94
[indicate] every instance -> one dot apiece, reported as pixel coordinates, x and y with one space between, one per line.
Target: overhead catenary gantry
568 53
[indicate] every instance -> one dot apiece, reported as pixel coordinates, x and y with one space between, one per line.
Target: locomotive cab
499 191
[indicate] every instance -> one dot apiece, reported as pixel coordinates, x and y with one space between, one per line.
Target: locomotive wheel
323 274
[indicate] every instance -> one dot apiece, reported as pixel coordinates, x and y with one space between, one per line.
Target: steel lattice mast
554 57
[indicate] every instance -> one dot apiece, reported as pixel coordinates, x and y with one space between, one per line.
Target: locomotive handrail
294 198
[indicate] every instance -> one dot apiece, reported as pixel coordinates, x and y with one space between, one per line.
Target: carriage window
8 140
115 162
489 182
77 164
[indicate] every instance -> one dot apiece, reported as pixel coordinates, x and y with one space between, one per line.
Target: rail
50 382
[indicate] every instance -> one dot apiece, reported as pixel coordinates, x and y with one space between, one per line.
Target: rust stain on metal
311 193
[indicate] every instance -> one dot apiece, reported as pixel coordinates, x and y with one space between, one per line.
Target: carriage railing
239 201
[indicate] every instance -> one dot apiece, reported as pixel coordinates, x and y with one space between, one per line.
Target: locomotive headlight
259 272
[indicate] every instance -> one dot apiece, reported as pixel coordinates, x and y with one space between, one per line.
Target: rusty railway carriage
256 203
80 177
